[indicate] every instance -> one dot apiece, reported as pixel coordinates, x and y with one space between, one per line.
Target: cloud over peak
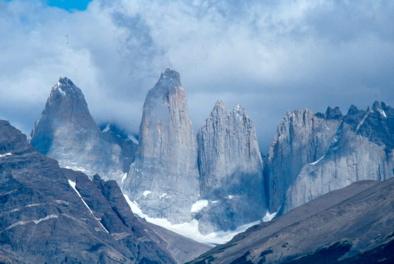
270 56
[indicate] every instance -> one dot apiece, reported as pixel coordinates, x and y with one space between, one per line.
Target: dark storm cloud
270 56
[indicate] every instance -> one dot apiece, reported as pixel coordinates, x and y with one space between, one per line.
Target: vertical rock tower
362 149
231 170
302 137
163 179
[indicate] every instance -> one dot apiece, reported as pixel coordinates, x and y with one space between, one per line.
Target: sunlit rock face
67 132
362 149
231 170
164 177
302 137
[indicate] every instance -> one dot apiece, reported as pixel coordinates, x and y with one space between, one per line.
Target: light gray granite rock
163 179
302 137
362 150
67 132
231 170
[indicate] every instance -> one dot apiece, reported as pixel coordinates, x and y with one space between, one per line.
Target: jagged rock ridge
362 149
312 154
302 137
231 167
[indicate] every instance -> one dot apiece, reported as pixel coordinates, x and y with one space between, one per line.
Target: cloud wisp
270 56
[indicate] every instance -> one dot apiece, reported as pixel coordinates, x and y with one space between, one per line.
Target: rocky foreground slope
53 215
351 225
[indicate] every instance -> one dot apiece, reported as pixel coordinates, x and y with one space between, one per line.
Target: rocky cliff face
54 215
231 170
361 150
302 137
163 179
67 132
217 179
128 143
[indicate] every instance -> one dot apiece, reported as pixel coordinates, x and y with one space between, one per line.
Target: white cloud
270 56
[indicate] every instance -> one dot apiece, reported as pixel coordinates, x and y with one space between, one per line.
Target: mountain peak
353 110
66 87
166 160
219 107
219 104
11 139
219 110
66 123
169 79
230 168
65 81
379 107
171 74
238 109
333 113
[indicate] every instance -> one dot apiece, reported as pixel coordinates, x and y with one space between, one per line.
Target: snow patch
146 193
163 195
76 168
382 113
317 161
62 202
5 155
268 216
190 229
33 205
61 91
198 206
362 121
106 129
124 177
135 208
7 193
133 139
73 185
25 222
51 216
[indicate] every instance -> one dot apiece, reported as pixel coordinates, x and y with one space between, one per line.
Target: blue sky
69 4
269 56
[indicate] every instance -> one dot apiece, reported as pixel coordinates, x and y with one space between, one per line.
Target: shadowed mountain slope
351 225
